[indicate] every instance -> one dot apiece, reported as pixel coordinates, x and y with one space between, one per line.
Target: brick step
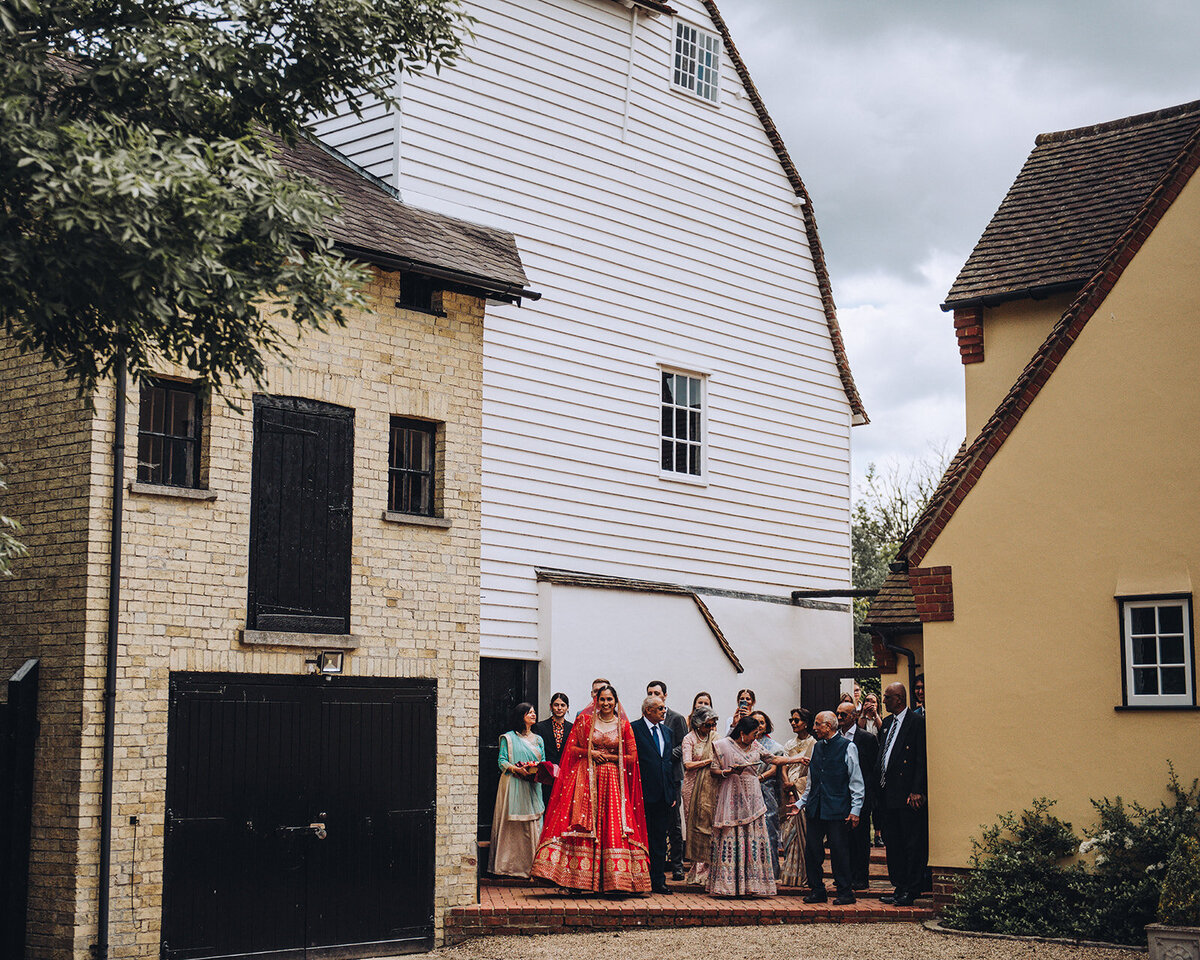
509 910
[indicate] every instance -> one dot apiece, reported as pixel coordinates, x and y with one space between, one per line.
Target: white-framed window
1157 651
697 62
682 433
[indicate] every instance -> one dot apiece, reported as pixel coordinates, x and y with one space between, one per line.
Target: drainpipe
903 651
110 677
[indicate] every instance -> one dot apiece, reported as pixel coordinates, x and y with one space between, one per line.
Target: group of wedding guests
603 804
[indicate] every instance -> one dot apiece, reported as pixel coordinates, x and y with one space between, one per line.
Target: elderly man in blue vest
832 801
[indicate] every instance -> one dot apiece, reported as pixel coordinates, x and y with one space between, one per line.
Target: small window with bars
169 421
697 62
682 423
412 467
1158 652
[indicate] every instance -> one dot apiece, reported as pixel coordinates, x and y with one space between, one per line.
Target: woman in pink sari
595 830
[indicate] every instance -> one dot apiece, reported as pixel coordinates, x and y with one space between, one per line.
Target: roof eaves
966 468
1041 292
488 285
857 410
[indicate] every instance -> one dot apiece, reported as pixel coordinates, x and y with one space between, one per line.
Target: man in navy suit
902 782
654 746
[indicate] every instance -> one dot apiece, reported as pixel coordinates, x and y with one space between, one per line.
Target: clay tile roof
1070 202
375 226
857 410
894 606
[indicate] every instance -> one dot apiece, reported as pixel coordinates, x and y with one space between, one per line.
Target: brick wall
933 593
945 880
414 593
968 327
45 444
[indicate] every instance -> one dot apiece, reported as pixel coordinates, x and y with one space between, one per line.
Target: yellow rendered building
1046 592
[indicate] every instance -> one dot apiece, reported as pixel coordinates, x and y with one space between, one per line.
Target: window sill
417 520
165 490
693 97
1133 708
310 641
689 479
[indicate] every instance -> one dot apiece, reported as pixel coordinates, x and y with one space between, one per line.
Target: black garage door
300 816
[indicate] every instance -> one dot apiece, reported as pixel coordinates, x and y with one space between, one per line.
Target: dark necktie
887 745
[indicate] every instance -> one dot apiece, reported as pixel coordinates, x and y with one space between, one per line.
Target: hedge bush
1025 880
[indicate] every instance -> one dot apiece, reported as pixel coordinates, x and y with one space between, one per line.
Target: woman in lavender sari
741 859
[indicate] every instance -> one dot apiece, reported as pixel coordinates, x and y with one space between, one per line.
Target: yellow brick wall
414 589
45 440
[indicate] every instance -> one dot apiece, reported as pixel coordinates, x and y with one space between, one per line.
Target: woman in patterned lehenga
595 832
793 834
741 859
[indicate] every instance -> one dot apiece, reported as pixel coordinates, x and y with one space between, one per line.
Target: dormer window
697 62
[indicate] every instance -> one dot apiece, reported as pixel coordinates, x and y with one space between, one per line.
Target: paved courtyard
820 941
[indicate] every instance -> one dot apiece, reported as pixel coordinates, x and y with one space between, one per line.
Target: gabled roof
1076 193
857 410
375 226
973 458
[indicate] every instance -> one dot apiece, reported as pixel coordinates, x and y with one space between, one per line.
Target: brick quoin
933 593
968 327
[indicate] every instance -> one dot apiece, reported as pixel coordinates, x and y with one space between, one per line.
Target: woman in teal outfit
517 822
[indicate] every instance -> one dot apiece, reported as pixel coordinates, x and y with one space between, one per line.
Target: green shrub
1020 882
1016 884
1179 902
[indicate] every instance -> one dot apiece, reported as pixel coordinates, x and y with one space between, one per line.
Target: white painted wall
632 638
676 242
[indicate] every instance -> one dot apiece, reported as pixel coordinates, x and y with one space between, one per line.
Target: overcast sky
908 120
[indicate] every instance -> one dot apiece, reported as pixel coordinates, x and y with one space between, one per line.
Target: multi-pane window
697 62
169 434
682 423
412 466
1158 652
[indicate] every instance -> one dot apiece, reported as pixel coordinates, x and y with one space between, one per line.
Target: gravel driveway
815 941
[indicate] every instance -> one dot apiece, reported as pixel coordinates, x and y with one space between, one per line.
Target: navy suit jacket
658 782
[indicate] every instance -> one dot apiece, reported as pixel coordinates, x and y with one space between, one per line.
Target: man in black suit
679 729
901 778
868 758
654 746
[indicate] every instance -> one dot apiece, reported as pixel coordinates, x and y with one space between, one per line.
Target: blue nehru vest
829 780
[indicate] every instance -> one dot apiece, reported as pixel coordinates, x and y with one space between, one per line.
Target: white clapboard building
666 435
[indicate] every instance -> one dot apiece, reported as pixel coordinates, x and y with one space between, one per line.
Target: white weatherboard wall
589 631
677 244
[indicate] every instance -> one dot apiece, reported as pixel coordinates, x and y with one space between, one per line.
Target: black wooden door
822 689
502 685
252 762
300 516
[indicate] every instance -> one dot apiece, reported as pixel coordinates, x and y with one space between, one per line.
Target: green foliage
140 207
886 505
1021 883
1179 901
10 546
1017 885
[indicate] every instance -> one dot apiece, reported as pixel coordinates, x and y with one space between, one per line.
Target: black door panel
252 763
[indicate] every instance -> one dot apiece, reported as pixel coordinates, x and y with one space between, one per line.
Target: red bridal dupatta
595 829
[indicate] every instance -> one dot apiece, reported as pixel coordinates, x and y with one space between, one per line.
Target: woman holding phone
745 704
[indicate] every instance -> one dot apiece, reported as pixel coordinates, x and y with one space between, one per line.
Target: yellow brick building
231 741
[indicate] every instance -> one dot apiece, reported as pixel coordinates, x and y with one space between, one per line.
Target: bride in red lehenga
595 832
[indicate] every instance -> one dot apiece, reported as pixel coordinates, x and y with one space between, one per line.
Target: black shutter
300 516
